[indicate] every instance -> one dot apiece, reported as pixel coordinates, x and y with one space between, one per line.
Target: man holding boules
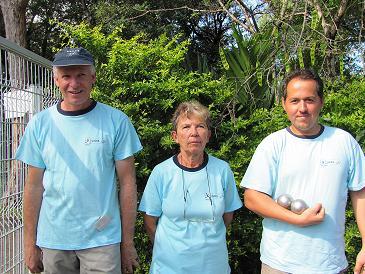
317 164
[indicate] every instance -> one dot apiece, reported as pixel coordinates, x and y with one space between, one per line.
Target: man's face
75 84
303 106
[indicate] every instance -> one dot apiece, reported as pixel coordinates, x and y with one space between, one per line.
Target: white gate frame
26 87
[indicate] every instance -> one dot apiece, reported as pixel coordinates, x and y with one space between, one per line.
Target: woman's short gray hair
185 109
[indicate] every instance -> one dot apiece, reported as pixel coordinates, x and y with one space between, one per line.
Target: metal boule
285 200
298 206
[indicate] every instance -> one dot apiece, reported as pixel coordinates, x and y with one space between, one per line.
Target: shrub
146 80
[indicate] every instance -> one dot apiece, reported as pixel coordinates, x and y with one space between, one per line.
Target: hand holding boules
297 206
306 215
312 216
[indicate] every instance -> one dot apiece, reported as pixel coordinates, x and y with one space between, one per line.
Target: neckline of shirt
191 169
76 112
308 136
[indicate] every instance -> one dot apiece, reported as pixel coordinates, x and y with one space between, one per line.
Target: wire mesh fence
26 87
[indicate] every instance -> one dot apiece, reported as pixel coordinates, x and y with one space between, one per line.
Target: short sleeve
127 142
262 171
29 151
231 197
151 202
356 179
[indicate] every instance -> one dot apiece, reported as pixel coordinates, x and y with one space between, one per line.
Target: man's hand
32 200
129 257
311 216
360 262
263 204
33 259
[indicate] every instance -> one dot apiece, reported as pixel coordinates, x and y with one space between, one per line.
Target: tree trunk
330 25
14 20
15 79
15 30
2 26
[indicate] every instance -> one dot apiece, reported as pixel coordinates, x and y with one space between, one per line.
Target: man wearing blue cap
76 150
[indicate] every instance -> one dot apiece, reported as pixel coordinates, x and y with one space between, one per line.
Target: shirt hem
301 271
76 247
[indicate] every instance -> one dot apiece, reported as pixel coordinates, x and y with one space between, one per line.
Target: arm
266 207
228 218
128 206
150 223
358 204
33 191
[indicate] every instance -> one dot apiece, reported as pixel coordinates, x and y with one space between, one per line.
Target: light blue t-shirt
78 154
190 203
317 170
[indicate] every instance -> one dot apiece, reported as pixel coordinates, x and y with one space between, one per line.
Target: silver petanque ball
284 200
298 206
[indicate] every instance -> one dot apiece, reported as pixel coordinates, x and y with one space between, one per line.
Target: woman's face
192 134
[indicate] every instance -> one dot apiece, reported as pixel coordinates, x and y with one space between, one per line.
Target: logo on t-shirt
325 163
89 141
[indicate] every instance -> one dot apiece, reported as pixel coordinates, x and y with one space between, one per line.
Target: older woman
189 201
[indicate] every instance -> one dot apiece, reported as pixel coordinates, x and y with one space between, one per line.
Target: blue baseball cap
73 57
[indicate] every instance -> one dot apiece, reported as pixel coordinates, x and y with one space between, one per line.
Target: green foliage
42 30
143 246
191 19
344 107
250 65
145 79
302 24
